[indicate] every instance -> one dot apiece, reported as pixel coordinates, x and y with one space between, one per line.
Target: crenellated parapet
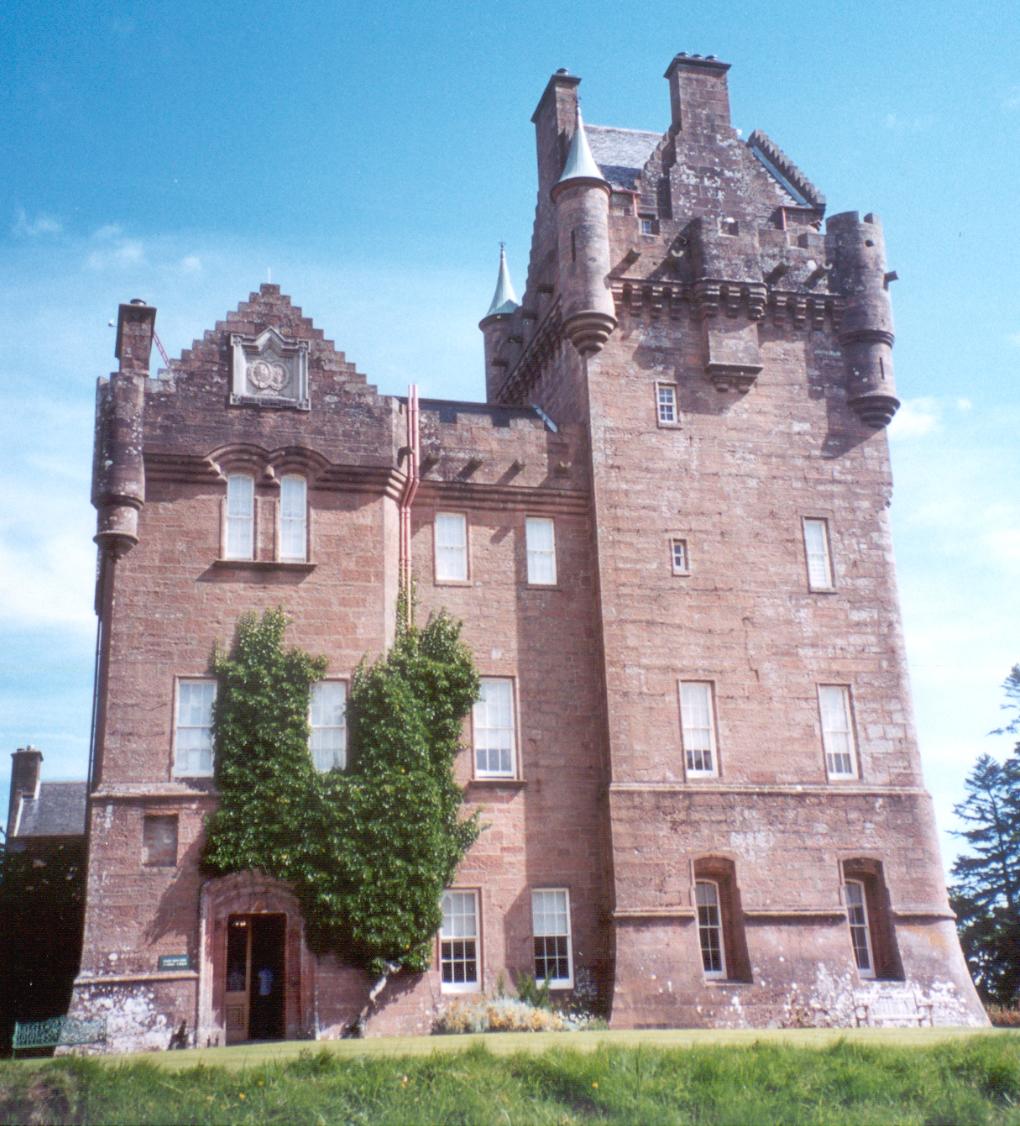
118 483
856 248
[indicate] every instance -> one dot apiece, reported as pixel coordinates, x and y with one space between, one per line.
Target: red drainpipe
407 495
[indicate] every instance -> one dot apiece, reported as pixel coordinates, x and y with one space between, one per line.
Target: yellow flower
241 1095
595 1084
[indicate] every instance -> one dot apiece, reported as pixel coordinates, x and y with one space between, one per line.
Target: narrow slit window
710 928
665 403
451 547
327 717
860 930
240 530
293 519
819 557
698 728
550 915
837 731
540 539
193 731
493 729
458 942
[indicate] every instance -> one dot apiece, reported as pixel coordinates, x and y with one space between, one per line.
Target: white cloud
1014 338
123 254
24 227
191 264
964 405
915 418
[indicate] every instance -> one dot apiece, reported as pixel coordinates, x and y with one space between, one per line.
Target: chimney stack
25 771
698 96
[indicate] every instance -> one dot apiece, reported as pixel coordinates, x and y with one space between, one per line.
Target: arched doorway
255 974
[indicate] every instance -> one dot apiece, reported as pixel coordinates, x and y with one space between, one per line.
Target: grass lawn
924 1076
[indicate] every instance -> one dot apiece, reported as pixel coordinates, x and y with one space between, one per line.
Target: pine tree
986 892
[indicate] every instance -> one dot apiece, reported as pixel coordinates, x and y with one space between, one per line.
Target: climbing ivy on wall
368 850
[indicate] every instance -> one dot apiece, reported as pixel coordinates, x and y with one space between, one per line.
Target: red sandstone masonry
738 288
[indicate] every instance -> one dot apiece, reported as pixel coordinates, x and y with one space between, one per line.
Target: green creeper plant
368 850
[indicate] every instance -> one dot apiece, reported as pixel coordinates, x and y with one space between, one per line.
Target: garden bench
57 1032
893 1012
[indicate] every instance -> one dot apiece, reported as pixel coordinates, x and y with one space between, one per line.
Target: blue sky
373 157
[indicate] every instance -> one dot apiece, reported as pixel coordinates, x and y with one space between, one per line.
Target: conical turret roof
580 163
504 300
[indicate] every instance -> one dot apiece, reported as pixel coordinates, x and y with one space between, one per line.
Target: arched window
869 917
710 928
293 519
239 535
720 920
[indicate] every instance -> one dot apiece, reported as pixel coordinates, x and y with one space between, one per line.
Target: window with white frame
540 538
239 534
860 929
550 920
819 558
837 730
710 928
327 718
665 404
458 942
451 547
697 721
293 519
492 722
193 731
678 557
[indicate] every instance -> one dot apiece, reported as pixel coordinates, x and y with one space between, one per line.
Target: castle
666 533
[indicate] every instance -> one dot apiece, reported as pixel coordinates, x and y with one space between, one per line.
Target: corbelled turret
581 196
495 326
118 484
857 251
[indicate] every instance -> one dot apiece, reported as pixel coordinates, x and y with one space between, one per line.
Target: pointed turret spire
504 300
580 163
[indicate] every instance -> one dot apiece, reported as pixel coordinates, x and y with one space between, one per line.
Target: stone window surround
561 982
267 471
539 554
447 955
828 736
441 579
178 726
687 731
667 385
514 774
345 681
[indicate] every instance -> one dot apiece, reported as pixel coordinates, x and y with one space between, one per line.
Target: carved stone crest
269 370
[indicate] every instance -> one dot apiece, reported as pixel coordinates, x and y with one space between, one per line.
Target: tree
986 891
368 850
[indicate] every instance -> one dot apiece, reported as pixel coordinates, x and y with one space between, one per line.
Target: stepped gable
621 153
268 308
309 396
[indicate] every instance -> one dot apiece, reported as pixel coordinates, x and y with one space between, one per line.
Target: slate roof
58 811
621 153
